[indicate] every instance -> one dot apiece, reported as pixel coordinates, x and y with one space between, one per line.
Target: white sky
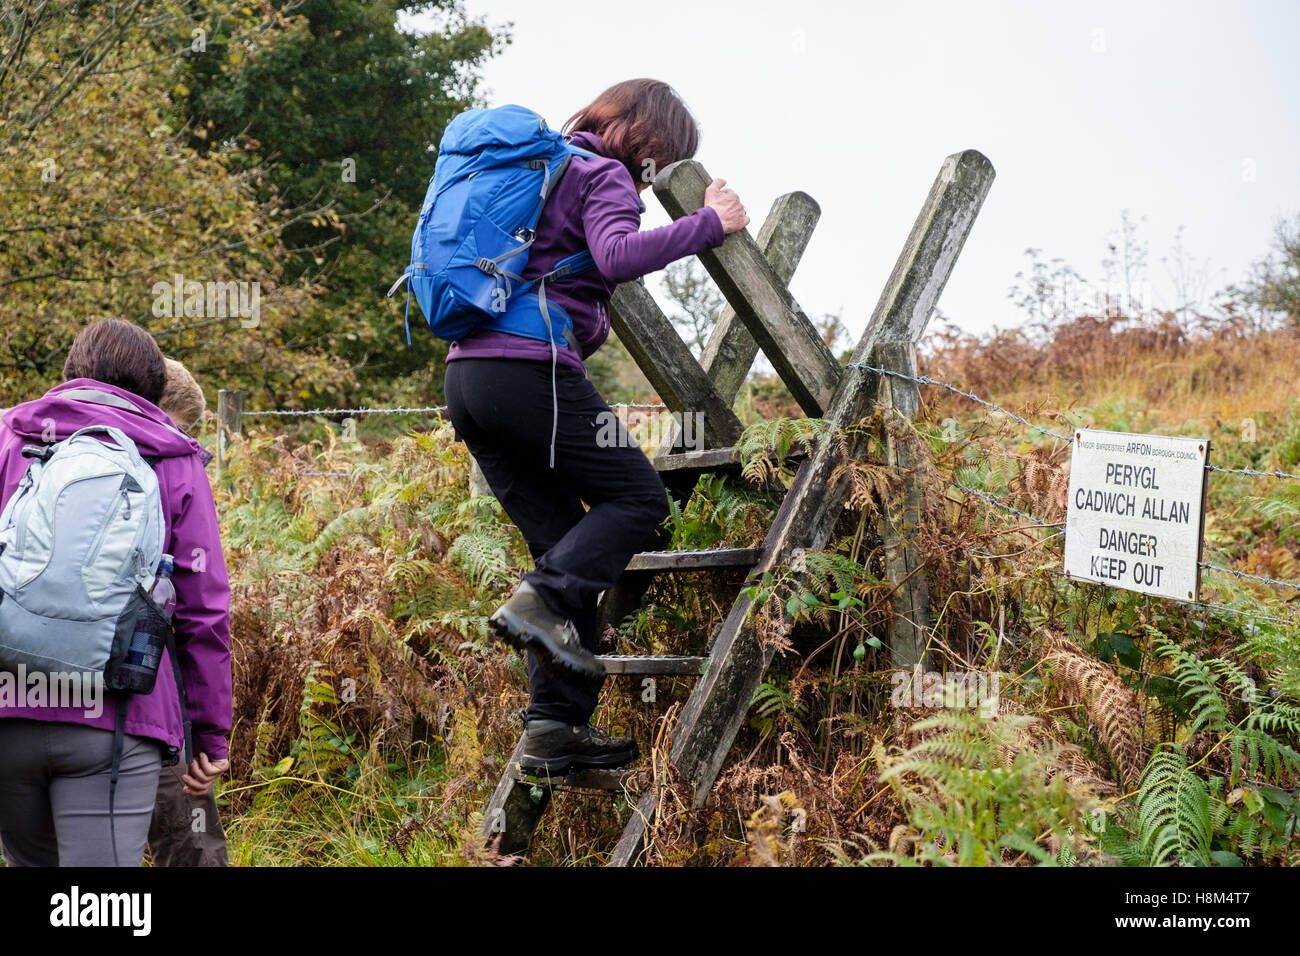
1165 109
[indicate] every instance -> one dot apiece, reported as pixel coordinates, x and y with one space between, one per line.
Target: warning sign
1137 512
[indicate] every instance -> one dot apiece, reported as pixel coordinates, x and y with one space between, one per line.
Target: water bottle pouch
142 634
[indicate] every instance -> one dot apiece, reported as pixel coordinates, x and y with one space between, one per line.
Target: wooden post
478 483
230 422
512 813
668 364
909 630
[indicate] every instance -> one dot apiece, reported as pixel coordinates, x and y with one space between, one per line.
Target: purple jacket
594 207
202 617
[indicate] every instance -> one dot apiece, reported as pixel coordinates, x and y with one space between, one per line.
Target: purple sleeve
202 618
612 220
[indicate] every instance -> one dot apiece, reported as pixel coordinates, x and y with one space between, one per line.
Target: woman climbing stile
502 395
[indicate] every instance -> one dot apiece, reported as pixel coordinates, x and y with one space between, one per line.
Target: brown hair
182 399
640 120
118 353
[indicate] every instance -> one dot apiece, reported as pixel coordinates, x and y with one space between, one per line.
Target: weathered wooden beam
730 351
478 483
710 459
669 364
651 663
901 517
930 253
630 845
716 709
754 289
692 464
694 560
230 422
511 813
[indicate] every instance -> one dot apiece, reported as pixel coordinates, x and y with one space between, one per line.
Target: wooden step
714 459
651 664
590 779
695 560
710 459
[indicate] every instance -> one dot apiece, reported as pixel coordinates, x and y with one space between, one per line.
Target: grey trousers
186 830
54 794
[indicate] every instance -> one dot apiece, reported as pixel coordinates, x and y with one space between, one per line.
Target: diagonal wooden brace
730 351
754 289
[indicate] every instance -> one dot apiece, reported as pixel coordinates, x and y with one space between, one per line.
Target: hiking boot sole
523 636
558 766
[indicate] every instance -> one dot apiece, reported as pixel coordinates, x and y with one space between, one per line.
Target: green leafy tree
345 110
102 205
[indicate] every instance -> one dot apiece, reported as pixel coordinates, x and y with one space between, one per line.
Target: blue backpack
495 170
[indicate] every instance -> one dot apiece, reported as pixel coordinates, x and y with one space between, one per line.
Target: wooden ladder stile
753 277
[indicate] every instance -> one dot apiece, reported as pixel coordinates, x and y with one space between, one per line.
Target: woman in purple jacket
499 394
55 760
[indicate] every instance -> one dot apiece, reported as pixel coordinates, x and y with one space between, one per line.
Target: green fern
980 792
1187 814
764 446
718 513
484 556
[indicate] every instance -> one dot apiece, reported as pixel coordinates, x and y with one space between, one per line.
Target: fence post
478 483
909 630
230 422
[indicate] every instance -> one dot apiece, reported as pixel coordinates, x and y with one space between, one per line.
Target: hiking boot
526 623
566 748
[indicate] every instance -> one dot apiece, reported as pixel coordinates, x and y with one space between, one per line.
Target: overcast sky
1186 113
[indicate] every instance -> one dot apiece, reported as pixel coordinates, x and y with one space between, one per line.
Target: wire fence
428 410
1041 523
440 410
926 380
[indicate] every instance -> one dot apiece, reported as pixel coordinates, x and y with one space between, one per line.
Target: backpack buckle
488 266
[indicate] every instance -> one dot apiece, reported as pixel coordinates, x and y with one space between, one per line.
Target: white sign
1137 512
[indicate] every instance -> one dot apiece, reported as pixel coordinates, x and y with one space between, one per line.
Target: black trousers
502 409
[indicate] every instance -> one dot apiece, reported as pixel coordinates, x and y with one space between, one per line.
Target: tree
1273 287
698 301
344 109
103 205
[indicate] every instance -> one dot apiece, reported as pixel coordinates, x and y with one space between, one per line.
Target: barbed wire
1294 585
286 413
927 380
1209 605
312 412
1040 523
1253 472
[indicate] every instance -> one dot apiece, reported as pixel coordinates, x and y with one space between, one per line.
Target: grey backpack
80 541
